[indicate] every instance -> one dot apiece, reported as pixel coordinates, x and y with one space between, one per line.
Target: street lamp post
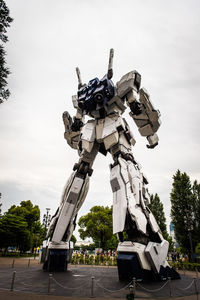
46 220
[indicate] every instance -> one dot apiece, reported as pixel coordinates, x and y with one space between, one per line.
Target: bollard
49 283
29 262
13 263
92 287
197 275
13 281
134 285
170 286
196 288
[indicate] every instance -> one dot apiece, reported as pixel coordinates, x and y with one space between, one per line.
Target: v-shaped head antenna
80 84
110 64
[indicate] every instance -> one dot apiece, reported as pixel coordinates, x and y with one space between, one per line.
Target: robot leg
59 248
143 254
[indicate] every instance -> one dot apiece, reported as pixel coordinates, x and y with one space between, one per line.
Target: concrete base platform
86 282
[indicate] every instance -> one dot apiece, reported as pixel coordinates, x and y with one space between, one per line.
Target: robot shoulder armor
130 81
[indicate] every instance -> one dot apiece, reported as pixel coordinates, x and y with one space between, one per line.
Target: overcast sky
47 40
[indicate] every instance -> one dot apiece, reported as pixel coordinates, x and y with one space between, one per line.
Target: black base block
56 260
129 268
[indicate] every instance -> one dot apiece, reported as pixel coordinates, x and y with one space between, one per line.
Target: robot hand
153 141
152 146
67 119
76 125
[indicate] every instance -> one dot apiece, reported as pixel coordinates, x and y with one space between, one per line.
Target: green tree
73 239
97 224
196 210
5 21
30 213
156 207
182 210
14 232
21 225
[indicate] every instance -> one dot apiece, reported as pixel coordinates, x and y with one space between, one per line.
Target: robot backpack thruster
143 255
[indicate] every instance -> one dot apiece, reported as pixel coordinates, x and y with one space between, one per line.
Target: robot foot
135 260
129 267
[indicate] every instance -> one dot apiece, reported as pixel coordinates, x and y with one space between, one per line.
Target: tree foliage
5 21
196 211
156 207
185 210
97 224
20 227
30 213
14 232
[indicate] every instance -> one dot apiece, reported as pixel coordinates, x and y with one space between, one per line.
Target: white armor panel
88 135
126 84
153 223
125 197
157 254
71 197
119 199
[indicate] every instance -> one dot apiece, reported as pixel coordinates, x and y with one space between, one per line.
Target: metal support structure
46 221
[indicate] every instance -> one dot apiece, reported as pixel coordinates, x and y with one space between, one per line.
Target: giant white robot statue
144 252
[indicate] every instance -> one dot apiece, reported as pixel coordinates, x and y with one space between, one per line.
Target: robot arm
142 110
73 126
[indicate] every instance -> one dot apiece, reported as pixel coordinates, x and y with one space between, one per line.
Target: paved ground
32 283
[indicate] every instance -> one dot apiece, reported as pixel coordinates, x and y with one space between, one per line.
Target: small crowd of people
176 256
97 251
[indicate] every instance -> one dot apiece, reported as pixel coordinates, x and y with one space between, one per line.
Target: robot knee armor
83 168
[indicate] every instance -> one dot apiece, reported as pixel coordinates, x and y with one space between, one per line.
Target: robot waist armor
110 131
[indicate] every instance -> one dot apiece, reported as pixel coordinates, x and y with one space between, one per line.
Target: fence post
184 270
49 283
196 288
13 263
13 281
29 262
170 286
197 275
92 287
134 286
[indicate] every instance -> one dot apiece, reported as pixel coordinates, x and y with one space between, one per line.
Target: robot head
96 92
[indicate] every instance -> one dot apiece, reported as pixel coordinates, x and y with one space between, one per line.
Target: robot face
97 92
